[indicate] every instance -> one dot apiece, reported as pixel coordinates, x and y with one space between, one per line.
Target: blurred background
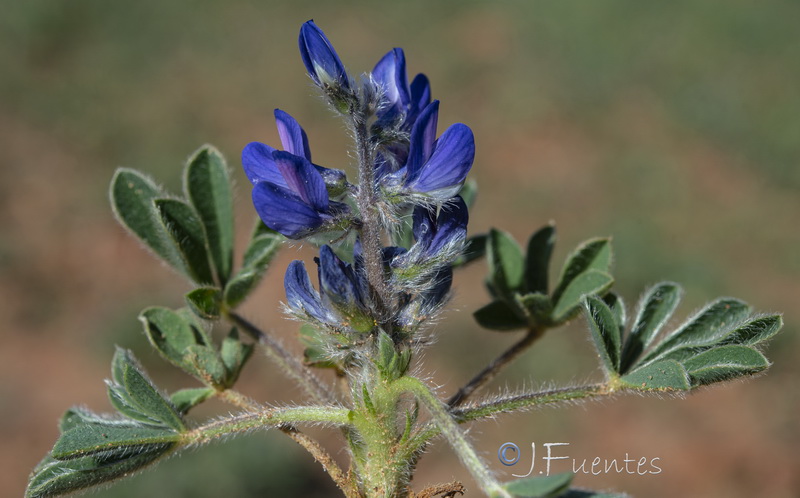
673 127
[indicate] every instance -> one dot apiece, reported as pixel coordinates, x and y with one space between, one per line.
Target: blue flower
435 169
340 303
321 60
296 204
439 239
403 103
259 165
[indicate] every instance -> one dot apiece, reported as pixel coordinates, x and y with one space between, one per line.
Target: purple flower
259 165
320 58
403 102
339 304
296 204
436 168
439 239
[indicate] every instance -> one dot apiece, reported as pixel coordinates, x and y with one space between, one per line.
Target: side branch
267 418
285 360
523 401
492 369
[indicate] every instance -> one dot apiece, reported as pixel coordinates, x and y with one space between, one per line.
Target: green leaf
724 363
506 263
655 308
207 365
666 375
475 248
207 186
57 477
172 334
186 399
617 306
234 354
605 332
594 254
469 192
205 302
540 487
132 195
90 438
537 259
704 329
138 392
256 259
499 315
755 331
538 309
587 283
188 236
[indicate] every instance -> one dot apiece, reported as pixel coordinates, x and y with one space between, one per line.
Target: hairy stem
285 360
449 428
492 369
522 401
370 229
310 444
265 418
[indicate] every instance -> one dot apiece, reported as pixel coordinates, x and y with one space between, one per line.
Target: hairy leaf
587 283
537 259
655 308
594 254
724 363
540 487
605 332
499 315
666 375
188 235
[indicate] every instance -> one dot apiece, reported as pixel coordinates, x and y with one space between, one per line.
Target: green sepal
90 438
594 254
391 363
499 315
474 248
537 259
655 308
132 194
704 329
188 235
506 264
186 399
256 259
234 354
138 392
541 486
205 302
316 344
590 282
724 363
59 477
666 375
605 332
207 186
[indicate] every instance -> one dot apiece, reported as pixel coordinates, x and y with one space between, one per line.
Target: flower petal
292 135
338 280
451 225
259 166
423 136
390 74
282 210
449 164
300 295
321 60
420 97
303 179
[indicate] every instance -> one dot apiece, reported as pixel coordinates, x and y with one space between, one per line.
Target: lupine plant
389 245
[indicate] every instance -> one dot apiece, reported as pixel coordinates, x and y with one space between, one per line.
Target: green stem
270 417
285 360
455 436
492 369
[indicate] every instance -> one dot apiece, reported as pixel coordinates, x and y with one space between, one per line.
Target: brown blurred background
673 127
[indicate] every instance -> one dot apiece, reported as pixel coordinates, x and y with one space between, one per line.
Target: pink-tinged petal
303 179
292 135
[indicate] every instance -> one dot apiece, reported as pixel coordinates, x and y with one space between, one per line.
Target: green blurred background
672 126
